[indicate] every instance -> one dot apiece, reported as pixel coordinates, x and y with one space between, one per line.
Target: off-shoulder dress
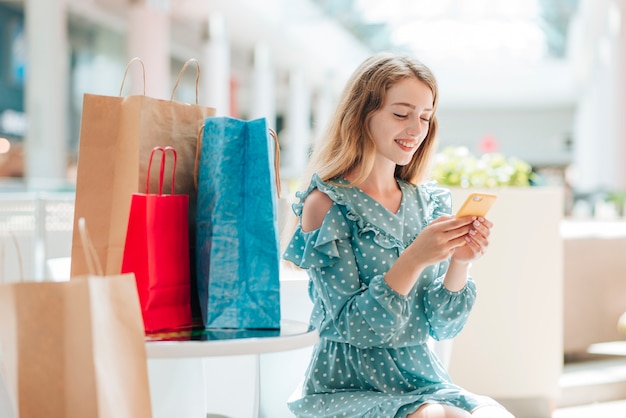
372 359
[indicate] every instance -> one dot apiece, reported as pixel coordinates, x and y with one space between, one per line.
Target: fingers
482 226
485 222
474 245
457 232
479 234
453 229
448 223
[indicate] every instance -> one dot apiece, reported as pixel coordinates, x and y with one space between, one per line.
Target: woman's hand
440 238
436 242
476 241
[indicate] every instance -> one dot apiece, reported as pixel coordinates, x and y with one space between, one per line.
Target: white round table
202 344
212 343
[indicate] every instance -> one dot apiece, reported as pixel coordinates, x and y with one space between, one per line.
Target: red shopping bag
157 251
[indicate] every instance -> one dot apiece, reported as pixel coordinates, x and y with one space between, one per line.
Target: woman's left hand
476 241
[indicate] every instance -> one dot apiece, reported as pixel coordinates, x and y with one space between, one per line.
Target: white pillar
599 130
325 103
149 38
297 140
46 93
215 66
619 22
263 85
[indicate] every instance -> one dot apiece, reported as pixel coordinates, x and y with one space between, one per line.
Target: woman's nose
413 130
417 128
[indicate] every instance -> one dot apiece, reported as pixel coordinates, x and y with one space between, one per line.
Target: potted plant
456 166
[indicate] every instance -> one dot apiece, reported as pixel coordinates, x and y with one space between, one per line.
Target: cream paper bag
74 349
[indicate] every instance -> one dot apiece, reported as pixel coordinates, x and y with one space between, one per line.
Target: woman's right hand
438 240
435 243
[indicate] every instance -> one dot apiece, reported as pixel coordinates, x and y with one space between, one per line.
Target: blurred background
536 79
537 83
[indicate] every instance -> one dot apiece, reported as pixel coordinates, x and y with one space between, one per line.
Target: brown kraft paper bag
116 138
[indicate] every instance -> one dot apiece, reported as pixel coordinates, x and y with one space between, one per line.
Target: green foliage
456 166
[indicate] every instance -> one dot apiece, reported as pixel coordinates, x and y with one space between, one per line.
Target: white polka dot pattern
372 359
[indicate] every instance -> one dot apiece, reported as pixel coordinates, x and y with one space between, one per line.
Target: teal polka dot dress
372 359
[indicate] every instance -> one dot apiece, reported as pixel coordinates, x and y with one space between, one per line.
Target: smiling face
401 124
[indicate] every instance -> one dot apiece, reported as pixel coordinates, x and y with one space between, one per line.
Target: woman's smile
407 145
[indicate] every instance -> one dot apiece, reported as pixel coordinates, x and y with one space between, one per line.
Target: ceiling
484 52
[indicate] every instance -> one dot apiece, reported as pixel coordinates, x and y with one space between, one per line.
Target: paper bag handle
276 160
19 258
162 168
91 256
180 75
196 164
143 72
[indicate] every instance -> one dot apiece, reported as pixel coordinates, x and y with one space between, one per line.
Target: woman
388 265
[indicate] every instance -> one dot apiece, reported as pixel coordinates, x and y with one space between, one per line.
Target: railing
41 223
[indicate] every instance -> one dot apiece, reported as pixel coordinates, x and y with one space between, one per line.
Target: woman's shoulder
319 196
316 206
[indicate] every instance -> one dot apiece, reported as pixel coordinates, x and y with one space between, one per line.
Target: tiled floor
616 409
593 389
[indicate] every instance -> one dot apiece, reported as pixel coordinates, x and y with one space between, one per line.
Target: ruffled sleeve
346 309
317 248
448 311
438 201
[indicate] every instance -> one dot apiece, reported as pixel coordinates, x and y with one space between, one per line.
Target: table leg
232 386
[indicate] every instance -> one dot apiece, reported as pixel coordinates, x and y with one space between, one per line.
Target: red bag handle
162 167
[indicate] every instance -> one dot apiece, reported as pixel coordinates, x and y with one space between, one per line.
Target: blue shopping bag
237 246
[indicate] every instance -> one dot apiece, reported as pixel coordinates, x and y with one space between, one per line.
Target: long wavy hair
348 144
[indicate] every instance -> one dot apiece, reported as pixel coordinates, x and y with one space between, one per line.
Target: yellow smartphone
476 204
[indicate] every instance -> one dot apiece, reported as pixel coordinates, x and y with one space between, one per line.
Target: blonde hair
348 144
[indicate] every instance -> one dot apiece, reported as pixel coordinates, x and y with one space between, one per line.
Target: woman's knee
439 411
491 412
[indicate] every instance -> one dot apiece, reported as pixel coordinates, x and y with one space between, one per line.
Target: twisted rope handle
91 256
143 71
180 75
196 162
276 160
18 254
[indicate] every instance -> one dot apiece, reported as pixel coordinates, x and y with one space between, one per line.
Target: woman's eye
400 116
427 120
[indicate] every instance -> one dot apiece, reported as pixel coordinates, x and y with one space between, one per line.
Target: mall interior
534 82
